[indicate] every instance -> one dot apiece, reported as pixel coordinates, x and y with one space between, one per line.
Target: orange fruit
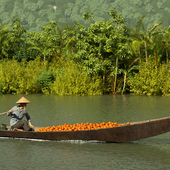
128 123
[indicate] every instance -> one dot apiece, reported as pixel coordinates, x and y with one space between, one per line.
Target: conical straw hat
23 100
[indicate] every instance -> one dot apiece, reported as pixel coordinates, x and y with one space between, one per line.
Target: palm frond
35 48
154 27
135 67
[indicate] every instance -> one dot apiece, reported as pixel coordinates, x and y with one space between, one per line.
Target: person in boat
17 113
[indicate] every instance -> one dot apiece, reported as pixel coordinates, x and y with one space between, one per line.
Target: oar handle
6 112
3 113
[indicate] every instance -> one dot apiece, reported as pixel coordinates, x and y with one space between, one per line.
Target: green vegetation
18 77
36 13
44 80
151 80
75 81
105 57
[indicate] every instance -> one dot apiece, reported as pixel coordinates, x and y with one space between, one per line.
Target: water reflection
48 110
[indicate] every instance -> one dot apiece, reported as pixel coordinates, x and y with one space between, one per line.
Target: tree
144 39
15 38
166 44
99 47
47 41
131 66
4 38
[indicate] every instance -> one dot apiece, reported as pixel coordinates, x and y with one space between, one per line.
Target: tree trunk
167 59
146 53
155 58
124 83
104 77
44 59
115 76
167 56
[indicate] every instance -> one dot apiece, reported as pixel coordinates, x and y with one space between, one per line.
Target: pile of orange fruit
80 126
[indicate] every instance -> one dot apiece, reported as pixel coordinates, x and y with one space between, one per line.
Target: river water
45 110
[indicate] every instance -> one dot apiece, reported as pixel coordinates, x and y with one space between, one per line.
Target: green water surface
45 110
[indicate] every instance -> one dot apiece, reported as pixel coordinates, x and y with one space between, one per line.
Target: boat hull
132 132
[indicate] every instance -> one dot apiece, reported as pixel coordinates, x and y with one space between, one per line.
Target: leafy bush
64 78
151 80
20 77
32 69
73 81
44 80
10 73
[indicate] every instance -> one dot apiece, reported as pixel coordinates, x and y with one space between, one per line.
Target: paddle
3 113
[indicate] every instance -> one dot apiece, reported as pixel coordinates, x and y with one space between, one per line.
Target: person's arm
9 112
12 110
29 120
32 126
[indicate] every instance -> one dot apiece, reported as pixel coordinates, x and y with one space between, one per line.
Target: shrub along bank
152 79
38 77
67 78
72 80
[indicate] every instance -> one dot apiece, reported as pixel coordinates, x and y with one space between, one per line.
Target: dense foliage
33 77
36 13
151 80
107 57
18 77
45 80
70 80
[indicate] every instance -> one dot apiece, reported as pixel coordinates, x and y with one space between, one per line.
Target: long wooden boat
132 132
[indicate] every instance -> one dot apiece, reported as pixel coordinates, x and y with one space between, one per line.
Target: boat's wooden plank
134 131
